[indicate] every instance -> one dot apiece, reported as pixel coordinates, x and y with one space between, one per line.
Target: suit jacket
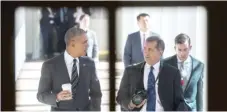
62 25
133 52
193 93
169 89
71 19
45 19
54 73
92 50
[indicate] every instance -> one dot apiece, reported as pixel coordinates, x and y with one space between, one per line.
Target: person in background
47 24
61 22
133 51
93 49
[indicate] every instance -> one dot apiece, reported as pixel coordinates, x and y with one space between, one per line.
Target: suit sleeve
123 96
128 52
179 102
95 50
45 94
95 91
199 96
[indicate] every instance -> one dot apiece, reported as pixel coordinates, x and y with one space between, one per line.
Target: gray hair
73 32
160 42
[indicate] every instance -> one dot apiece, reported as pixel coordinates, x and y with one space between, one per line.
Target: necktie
181 66
74 78
151 100
183 75
144 39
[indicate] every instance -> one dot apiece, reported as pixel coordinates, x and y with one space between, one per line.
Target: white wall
33 31
29 30
19 40
100 26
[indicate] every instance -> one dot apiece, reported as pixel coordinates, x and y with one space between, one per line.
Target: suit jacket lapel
139 76
174 62
62 65
160 82
81 66
142 75
194 65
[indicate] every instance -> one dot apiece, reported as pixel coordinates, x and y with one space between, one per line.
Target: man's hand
64 95
132 106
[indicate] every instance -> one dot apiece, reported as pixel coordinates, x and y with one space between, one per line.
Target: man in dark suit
64 19
71 17
61 22
161 82
191 72
133 51
72 69
47 24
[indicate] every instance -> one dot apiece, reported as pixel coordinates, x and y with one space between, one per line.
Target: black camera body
139 96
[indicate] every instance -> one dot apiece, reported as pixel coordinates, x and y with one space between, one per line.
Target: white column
36 15
19 40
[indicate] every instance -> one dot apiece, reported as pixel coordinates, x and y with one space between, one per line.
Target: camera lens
138 97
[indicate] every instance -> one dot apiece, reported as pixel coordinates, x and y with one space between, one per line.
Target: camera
139 96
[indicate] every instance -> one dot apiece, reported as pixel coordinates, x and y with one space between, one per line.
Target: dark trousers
47 36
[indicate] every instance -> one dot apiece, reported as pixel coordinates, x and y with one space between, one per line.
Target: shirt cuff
57 100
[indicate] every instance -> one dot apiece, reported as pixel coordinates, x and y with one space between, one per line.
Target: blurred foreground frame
216 18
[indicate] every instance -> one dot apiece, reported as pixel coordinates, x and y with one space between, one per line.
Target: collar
146 33
69 58
188 60
156 66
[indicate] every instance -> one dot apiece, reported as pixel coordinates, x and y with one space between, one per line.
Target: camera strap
160 69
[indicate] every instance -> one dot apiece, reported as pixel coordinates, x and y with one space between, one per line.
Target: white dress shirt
69 63
187 65
147 34
147 69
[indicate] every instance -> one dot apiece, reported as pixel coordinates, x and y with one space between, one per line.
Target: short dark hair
160 42
182 38
73 32
82 16
142 15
